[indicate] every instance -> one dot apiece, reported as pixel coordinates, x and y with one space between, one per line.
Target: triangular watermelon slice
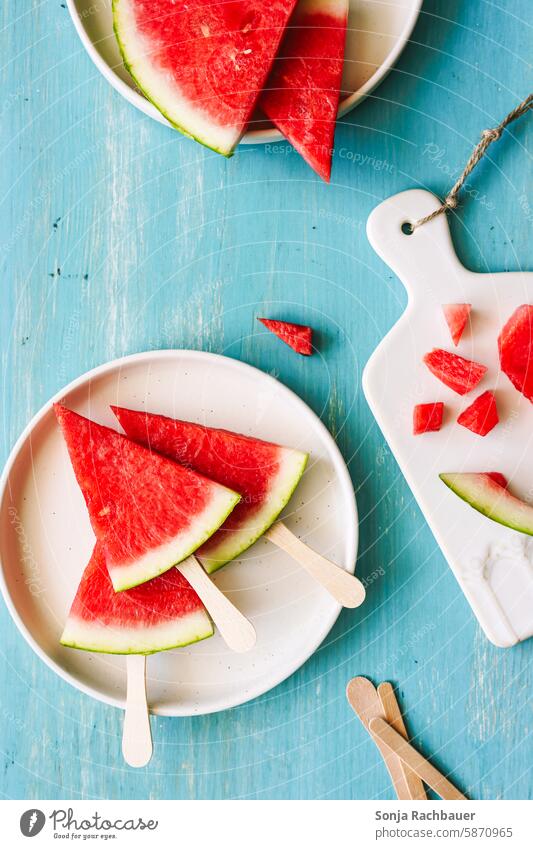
148 512
163 613
265 474
202 63
456 316
298 336
302 98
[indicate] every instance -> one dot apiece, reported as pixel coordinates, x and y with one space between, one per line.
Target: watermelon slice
202 63
302 98
454 371
481 416
427 417
484 494
265 474
148 512
298 336
515 345
161 614
456 316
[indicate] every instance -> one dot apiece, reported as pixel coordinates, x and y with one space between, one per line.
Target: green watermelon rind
491 500
80 635
122 576
242 539
129 67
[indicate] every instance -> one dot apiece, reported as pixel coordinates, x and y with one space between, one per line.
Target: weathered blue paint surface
117 235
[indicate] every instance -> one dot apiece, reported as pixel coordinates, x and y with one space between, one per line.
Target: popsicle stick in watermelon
203 64
148 512
265 474
302 96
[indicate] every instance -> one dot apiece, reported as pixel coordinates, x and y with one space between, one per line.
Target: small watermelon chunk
161 614
427 417
498 478
265 474
454 371
298 336
456 316
149 512
515 344
302 96
203 64
481 416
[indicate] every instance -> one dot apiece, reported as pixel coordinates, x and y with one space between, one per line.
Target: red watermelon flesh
498 478
298 336
456 316
148 512
427 417
202 63
454 371
163 613
481 416
302 96
515 345
265 474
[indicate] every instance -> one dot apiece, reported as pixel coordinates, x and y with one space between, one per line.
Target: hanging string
487 138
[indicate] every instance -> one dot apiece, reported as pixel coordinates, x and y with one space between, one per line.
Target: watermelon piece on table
302 96
427 417
481 416
202 63
148 512
161 614
456 316
454 371
515 344
298 336
265 474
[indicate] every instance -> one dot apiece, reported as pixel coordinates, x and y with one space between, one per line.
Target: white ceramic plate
46 538
377 33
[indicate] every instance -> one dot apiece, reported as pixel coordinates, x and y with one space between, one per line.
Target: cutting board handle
425 260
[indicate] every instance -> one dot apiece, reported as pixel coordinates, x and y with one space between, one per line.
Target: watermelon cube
454 371
515 344
456 316
481 416
427 417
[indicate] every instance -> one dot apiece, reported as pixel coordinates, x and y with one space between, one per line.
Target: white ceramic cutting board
493 564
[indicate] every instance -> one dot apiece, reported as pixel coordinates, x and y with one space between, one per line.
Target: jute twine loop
451 200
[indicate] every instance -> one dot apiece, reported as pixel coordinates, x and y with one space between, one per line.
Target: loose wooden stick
236 630
136 733
343 586
364 699
393 716
410 756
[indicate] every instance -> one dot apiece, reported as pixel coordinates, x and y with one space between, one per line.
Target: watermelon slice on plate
149 512
265 474
515 345
454 371
163 613
427 417
483 493
302 96
202 63
481 416
456 316
298 336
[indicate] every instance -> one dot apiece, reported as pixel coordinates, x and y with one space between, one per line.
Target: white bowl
377 33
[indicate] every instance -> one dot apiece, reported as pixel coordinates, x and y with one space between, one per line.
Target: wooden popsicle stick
343 586
235 629
364 699
136 734
393 716
409 755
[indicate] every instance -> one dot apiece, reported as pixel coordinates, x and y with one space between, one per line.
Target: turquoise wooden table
117 235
